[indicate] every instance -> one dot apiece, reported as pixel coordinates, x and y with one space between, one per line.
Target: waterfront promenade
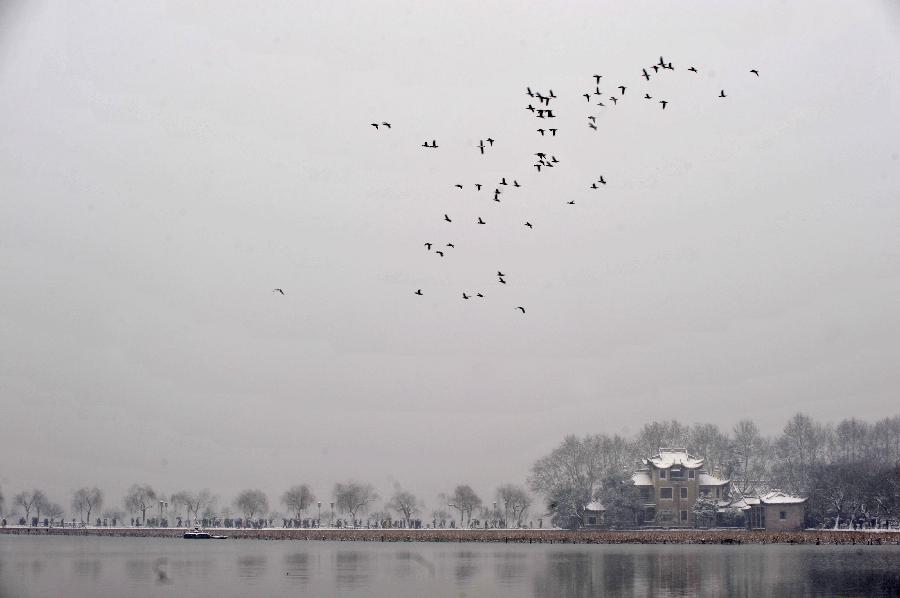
519 536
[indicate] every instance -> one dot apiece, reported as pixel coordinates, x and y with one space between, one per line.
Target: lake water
54 566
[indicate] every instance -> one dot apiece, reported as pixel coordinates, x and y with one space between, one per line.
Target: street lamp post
161 504
319 518
506 513
495 513
332 515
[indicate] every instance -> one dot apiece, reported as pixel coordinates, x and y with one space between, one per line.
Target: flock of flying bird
544 160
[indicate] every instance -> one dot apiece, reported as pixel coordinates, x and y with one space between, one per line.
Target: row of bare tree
352 498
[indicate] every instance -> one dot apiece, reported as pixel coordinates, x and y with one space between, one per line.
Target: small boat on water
199 534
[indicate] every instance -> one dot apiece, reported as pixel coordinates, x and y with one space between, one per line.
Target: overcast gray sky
164 166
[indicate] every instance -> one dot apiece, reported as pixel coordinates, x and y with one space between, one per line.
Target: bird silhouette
501 280
655 68
598 77
647 96
478 186
278 291
755 72
646 75
458 185
593 126
503 181
481 145
465 296
594 186
622 88
571 203
722 94
529 92
440 253
602 181
528 224
490 141
500 274
375 125
428 246
587 96
552 132
693 69
480 221
516 183
661 61
553 159
479 295
530 107
593 118
522 308
538 166
551 94
541 131
614 99
419 292
447 218
597 92
388 125
663 102
550 114
669 66
601 104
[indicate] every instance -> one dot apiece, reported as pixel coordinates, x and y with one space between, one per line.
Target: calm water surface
113 567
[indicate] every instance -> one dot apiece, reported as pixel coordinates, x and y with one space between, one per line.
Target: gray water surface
53 566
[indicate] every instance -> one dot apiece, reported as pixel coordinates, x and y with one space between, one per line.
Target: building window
683 492
592 521
662 474
704 492
665 493
782 515
684 515
691 473
717 492
646 493
665 514
677 473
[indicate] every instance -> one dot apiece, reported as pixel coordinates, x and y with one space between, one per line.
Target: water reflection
467 565
88 569
352 568
253 565
297 567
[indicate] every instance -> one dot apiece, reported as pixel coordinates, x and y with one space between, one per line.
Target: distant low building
594 513
776 511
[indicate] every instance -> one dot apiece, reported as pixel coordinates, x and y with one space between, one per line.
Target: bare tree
193 502
515 501
252 502
354 497
405 503
54 510
26 501
465 501
748 455
297 499
182 500
140 497
87 500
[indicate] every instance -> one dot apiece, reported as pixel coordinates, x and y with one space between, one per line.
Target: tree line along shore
532 536
849 473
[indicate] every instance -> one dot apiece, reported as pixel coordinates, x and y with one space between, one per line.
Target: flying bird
552 132
622 88
594 186
663 102
278 291
419 292
480 221
522 308
450 245
458 185
593 118
598 77
593 126
693 69
491 141
500 274
479 295
440 253
614 99
503 181
465 296
481 145
447 218
587 96
541 131
375 125
602 181
647 96
722 94
388 125
528 224
428 246
645 75
502 281
571 203
755 72
655 68
478 186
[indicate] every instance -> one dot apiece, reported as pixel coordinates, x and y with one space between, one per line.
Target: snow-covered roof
594 506
668 457
776 497
705 479
642 478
